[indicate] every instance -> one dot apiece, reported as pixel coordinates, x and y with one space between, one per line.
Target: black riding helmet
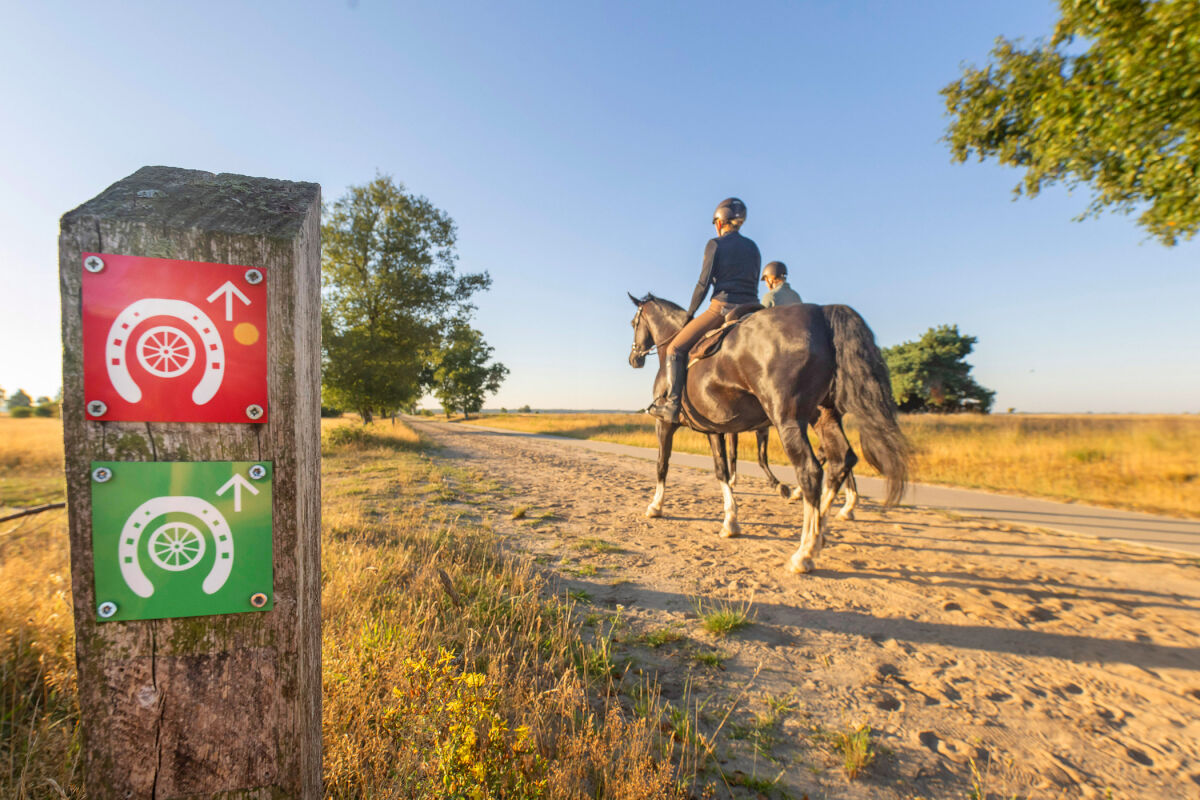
730 209
776 269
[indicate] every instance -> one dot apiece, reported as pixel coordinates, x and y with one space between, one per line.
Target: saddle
711 341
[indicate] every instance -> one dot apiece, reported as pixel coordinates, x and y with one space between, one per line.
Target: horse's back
790 326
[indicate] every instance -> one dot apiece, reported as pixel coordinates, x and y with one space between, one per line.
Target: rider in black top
731 264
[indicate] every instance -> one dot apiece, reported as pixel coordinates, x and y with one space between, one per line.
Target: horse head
643 340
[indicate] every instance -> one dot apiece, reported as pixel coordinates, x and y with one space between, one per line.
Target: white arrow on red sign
237 483
229 290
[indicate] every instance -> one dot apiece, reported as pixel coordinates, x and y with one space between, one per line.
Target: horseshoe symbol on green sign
175 546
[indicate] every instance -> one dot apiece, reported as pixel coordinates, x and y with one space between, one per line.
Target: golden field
1143 463
474 681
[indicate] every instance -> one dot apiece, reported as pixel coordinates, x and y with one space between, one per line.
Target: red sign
173 341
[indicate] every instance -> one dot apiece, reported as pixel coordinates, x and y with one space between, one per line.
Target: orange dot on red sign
245 333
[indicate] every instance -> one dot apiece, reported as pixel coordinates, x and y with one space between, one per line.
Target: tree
460 376
391 292
45 407
931 374
19 399
1121 115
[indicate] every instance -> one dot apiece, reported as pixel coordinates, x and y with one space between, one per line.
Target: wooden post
226 705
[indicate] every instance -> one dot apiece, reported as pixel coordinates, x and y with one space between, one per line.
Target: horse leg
730 526
784 490
732 445
794 436
666 435
847 511
840 458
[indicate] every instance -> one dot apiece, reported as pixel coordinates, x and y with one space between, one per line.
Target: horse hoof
802 565
784 490
653 513
845 515
729 531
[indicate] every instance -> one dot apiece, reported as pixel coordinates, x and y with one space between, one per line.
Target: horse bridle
642 352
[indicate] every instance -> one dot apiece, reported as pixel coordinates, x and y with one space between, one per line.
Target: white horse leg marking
811 541
655 508
847 511
827 497
802 559
819 528
730 527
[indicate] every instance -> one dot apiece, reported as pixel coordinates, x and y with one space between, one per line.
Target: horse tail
863 387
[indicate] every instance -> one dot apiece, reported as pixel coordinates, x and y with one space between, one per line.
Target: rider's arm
710 253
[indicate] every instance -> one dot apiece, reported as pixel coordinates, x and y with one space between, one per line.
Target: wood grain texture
218 706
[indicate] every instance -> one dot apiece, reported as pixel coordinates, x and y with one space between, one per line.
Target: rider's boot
666 408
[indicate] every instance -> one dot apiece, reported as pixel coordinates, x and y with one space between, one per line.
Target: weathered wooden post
191 405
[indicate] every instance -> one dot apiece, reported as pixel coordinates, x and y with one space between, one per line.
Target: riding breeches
708 319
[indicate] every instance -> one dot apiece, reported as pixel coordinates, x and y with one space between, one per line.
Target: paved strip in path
1149 530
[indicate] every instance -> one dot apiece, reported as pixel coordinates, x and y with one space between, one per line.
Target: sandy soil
1063 667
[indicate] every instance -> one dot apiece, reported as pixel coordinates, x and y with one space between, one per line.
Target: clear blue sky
581 149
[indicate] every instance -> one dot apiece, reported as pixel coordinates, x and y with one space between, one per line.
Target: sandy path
1071 666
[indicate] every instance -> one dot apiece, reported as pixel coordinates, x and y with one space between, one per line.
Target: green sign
181 539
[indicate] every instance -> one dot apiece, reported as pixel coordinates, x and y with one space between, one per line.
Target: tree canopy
931 374
1112 101
391 293
461 376
19 399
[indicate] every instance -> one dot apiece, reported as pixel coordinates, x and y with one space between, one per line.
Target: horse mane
661 301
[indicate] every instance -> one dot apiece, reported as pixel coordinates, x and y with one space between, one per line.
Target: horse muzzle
637 360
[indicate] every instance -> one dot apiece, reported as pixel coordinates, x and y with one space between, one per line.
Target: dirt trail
1071 667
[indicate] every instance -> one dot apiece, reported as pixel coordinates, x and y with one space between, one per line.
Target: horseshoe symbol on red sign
165 351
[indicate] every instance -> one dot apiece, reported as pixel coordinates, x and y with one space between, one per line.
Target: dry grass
38 706
1146 463
31 461
449 667
483 682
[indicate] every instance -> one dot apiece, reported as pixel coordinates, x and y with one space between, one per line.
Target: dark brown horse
783 367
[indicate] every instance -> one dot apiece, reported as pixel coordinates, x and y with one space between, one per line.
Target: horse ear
636 302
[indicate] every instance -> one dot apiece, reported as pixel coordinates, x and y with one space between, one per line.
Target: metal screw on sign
258 472
107 609
253 277
254 411
97 408
258 599
102 474
93 263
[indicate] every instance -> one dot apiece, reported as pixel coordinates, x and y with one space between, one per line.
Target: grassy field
474 680
1144 463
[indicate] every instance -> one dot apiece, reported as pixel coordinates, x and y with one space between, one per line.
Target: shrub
21 412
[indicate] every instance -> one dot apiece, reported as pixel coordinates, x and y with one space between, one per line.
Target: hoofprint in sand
978 653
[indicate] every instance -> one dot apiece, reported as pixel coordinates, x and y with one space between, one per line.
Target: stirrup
664 409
